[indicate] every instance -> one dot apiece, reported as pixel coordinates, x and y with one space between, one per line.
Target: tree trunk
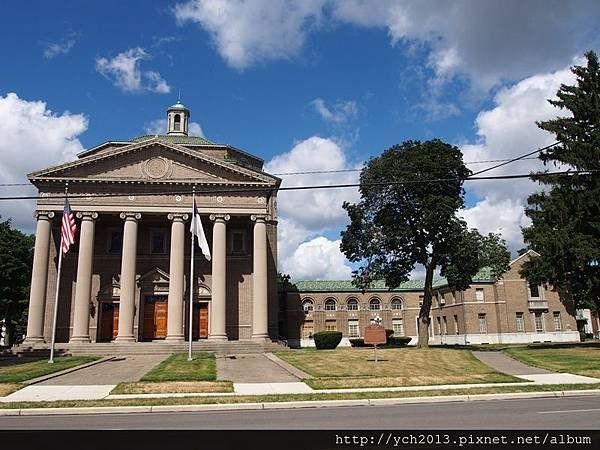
424 322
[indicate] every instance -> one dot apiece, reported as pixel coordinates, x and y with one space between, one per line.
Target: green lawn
350 368
177 368
581 360
24 369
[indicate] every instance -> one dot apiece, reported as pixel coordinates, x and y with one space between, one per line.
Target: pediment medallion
157 168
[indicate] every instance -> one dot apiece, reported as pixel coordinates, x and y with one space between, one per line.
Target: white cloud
340 112
319 258
125 72
486 40
58 48
506 131
33 138
159 126
246 32
315 209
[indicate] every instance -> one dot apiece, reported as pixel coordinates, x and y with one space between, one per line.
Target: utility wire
300 188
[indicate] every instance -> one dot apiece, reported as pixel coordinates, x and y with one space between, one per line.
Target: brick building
507 310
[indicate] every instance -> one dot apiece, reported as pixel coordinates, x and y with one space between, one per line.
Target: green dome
179 106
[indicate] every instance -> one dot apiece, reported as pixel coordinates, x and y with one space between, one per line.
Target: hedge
327 340
400 341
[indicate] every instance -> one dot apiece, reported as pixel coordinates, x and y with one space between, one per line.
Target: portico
127 278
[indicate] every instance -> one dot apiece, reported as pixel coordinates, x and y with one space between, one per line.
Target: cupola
177 119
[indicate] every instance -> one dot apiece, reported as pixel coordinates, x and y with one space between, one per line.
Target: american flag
68 228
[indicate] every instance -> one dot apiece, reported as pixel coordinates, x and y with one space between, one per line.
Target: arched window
352 304
396 303
374 304
330 304
177 122
307 305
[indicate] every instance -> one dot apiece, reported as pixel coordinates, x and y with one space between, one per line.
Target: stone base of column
175 338
34 340
84 339
260 337
218 337
124 339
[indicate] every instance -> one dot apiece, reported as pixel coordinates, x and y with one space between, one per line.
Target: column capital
178 217
220 217
87 215
130 216
43 215
259 218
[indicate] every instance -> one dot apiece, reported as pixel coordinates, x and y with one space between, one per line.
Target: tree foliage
413 221
16 258
565 215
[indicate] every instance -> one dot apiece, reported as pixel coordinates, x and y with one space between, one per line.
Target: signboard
375 335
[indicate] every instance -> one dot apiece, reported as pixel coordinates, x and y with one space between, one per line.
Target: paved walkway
252 369
506 364
115 371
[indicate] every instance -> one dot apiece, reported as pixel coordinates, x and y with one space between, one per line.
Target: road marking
568 411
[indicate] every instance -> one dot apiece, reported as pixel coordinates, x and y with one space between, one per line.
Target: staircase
151 348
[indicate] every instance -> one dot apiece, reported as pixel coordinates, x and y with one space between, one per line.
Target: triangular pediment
154 161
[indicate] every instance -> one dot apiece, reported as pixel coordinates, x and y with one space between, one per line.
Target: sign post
375 335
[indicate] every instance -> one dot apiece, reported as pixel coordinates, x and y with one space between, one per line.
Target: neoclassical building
127 278
491 311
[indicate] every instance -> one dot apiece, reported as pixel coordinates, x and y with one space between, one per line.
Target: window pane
557 321
116 242
352 305
374 305
539 323
353 328
479 295
398 327
520 322
534 291
158 242
482 324
237 242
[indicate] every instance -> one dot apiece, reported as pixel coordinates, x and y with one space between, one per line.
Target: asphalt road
547 413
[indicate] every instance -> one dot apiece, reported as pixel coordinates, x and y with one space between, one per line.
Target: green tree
16 258
565 215
413 221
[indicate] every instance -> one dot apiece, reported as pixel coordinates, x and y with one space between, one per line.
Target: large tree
407 216
565 215
16 258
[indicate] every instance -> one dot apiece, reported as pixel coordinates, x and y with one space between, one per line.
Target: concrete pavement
505 364
253 368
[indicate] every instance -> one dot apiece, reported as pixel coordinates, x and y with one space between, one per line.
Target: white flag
198 231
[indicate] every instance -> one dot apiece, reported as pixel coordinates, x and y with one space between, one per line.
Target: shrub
388 336
400 341
357 342
327 340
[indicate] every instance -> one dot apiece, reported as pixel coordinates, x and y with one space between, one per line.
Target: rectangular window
115 242
307 329
353 331
439 324
520 322
158 241
557 321
479 294
455 324
539 322
398 327
482 324
237 244
534 290
330 325
445 323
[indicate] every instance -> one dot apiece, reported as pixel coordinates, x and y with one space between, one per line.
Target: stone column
219 279
128 266
39 278
176 282
260 311
83 289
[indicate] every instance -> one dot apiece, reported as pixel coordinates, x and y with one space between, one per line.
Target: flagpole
192 276
55 315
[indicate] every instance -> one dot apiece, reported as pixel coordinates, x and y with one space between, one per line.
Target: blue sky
303 85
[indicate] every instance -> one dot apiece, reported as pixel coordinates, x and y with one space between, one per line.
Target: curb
66 371
290 405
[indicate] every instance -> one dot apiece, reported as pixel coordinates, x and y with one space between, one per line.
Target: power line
313 187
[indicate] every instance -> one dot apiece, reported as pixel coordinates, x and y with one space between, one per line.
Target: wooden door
160 319
200 326
109 321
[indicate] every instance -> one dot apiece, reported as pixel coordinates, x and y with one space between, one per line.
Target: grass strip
176 367
170 387
23 369
578 360
293 397
9 388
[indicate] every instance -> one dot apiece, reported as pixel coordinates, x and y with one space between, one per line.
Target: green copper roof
179 106
175 139
483 276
